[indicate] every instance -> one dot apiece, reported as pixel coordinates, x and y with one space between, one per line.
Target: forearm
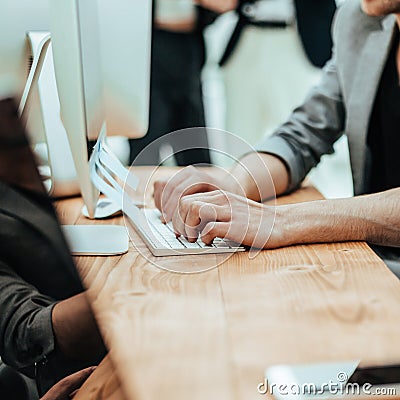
259 176
373 218
75 328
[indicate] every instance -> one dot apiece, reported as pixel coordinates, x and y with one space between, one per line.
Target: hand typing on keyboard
166 236
187 181
226 215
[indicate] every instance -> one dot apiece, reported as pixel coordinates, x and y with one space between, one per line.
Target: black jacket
314 19
36 268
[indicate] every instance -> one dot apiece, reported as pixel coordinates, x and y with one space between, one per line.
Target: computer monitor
101 55
42 110
17 17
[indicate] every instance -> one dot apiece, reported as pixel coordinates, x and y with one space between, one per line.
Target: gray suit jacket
343 100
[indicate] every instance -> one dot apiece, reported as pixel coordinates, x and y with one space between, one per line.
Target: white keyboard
163 241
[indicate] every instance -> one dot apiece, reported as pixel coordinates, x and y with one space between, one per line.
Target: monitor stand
105 208
88 240
96 240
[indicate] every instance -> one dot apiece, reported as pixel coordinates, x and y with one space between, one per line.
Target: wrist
75 329
324 221
282 228
308 222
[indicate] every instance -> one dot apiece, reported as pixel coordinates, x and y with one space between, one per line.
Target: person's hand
218 6
226 215
185 182
66 388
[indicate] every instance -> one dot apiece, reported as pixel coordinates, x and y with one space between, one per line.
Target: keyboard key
221 245
165 235
189 245
232 245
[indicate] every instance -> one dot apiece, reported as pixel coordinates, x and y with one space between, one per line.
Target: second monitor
101 55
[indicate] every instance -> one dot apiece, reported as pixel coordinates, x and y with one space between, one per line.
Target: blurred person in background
274 55
178 55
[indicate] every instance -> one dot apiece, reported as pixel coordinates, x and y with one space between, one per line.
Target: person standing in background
273 57
178 55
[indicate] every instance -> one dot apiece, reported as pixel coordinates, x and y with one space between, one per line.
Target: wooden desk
212 335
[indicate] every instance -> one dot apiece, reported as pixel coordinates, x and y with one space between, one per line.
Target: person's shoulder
350 8
351 20
350 14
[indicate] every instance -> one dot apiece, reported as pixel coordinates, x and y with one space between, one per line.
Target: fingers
196 211
226 215
213 230
158 190
187 219
79 378
186 182
169 191
68 385
172 200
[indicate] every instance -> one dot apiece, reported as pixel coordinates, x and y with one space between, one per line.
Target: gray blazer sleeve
26 333
312 128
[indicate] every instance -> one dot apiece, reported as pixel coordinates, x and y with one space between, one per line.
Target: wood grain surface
211 335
